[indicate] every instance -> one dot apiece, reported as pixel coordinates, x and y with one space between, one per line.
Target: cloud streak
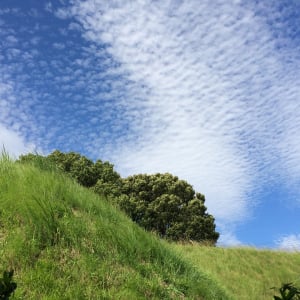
289 242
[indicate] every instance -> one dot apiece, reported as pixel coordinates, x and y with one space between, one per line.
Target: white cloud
11 40
62 13
228 239
48 7
289 242
13 143
74 26
59 46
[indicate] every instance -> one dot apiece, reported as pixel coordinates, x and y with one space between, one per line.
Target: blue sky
206 90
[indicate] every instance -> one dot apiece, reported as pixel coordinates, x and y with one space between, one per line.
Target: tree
37 160
108 181
168 206
77 166
100 176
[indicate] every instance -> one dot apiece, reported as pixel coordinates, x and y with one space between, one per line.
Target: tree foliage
168 206
77 166
99 175
108 181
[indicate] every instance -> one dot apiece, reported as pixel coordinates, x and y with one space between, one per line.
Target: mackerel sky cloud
206 90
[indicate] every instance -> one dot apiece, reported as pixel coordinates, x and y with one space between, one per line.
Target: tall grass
64 242
246 273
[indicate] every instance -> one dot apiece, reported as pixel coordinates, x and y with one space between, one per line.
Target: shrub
7 286
288 292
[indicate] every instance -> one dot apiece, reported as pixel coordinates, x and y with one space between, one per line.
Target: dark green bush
7 286
288 291
169 206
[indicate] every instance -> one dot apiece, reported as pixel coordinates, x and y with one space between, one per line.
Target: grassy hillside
245 272
64 242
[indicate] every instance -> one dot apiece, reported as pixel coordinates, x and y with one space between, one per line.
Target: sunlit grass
246 273
64 242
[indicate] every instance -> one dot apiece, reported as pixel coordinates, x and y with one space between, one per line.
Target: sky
206 90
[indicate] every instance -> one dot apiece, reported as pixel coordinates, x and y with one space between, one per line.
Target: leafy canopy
99 175
168 206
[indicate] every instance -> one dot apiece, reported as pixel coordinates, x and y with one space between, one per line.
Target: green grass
246 273
64 242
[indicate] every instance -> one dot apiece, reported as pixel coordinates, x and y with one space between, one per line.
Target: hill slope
247 273
64 242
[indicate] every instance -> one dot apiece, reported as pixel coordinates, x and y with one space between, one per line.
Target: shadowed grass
246 273
64 242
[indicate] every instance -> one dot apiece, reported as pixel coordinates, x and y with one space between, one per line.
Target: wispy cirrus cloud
289 242
210 94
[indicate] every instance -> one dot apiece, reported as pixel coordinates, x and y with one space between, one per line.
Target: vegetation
7 286
100 175
288 292
168 206
66 242
246 273
161 203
